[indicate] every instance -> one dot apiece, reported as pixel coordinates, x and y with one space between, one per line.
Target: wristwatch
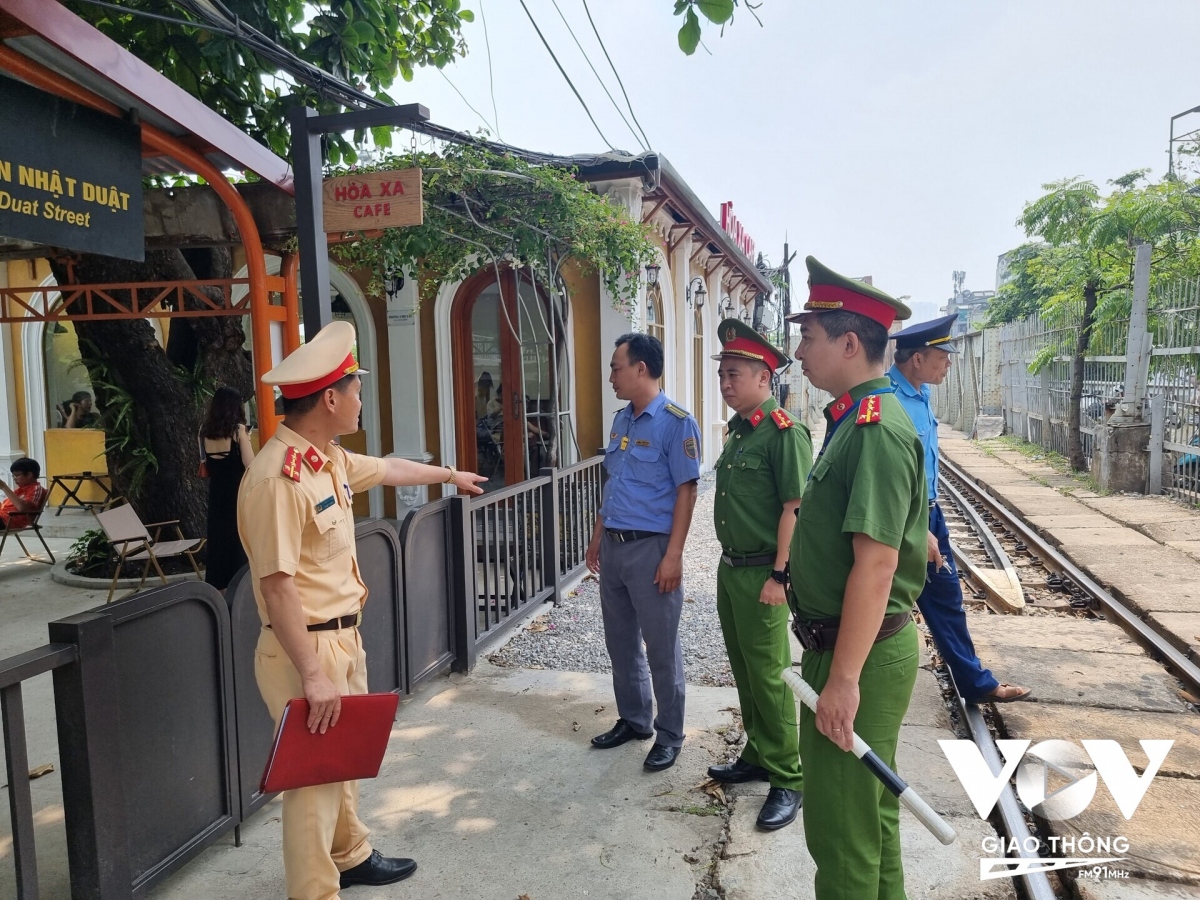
779 576
453 474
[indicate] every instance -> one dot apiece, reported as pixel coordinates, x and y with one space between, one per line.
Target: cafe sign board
369 201
70 177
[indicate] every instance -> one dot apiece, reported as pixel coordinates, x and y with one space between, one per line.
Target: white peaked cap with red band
324 360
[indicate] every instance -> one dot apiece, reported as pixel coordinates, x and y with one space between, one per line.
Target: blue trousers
941 605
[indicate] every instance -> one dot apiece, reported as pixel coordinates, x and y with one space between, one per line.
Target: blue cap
928 334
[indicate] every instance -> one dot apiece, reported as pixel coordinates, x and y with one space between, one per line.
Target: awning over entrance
46 46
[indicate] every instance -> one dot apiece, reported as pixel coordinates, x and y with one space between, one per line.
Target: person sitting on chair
26 498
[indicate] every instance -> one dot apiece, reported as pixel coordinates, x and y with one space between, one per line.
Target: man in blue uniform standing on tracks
923 355
653 464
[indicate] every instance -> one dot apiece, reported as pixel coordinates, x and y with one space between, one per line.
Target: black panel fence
162 733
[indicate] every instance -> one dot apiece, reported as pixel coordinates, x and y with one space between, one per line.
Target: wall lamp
696 292
727 306
652 274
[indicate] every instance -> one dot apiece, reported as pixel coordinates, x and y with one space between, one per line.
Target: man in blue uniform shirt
653 464
923 354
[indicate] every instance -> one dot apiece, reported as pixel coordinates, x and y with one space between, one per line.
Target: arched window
656 321
699 373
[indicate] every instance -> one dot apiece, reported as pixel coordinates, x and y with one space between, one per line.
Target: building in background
970 306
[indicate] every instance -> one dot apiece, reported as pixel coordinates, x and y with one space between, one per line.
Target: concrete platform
1049 721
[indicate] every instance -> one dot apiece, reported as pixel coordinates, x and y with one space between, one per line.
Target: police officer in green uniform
857 566
760 477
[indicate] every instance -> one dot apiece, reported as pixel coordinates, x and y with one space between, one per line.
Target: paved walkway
1144 550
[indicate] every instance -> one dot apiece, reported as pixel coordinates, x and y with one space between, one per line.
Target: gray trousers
634 611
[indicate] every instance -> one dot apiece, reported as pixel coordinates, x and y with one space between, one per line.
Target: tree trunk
1074 436
152 406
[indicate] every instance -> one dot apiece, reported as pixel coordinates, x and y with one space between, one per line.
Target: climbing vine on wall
484 208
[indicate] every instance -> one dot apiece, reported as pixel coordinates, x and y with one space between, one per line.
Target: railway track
1010 569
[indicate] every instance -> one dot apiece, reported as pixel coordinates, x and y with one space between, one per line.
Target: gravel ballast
571 637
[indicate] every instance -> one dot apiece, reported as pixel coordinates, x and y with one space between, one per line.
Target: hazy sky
898 139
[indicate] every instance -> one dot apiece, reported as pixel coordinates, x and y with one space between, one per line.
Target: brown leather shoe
1007 693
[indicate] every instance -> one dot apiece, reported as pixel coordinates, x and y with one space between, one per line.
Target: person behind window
78 411
226 451
26 496
483 395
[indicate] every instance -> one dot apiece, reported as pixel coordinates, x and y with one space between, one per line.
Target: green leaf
466 15
689 34
716 11
359 32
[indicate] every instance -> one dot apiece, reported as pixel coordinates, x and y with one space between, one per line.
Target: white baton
893 782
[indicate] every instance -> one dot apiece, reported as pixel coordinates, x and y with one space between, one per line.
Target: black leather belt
335 624
765 559
624 537
821 635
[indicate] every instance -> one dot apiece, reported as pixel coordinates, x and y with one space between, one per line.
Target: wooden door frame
463 366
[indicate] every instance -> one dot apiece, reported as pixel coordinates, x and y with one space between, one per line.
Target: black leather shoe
738 772
378 869
618 735
661 757
780 808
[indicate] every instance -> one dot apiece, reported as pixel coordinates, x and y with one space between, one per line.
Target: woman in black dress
225 445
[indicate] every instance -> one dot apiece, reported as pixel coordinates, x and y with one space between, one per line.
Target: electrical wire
491 81
464 99
158 17
588 60
332 88
600 40
563 72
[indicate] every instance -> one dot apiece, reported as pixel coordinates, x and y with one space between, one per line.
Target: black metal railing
578 491
13 671
511 566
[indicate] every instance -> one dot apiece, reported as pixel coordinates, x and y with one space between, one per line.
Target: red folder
350 750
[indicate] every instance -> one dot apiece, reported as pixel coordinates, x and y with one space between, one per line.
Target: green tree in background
1083 251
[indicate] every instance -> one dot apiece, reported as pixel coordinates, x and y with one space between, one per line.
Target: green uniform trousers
756 638
851 821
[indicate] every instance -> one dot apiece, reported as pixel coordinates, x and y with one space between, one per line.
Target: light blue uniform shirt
916 403
661 451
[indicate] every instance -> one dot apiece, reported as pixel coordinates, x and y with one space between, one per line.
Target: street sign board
70 177
372 200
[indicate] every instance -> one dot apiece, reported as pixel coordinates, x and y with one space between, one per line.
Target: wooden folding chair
30 523
126 532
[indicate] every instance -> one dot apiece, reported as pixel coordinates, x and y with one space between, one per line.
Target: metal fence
162 732
1174 389
1022 371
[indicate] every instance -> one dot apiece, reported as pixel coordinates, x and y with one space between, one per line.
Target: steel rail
1037 884
1012 819
994 597
1150 639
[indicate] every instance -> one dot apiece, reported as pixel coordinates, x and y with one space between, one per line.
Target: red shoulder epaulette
313 458
781 419
291 464
756 417
868 410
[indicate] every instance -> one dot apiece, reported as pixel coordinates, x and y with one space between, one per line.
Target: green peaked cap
829 291
741 341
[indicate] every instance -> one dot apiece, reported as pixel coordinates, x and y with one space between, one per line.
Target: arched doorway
348 303
512 408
